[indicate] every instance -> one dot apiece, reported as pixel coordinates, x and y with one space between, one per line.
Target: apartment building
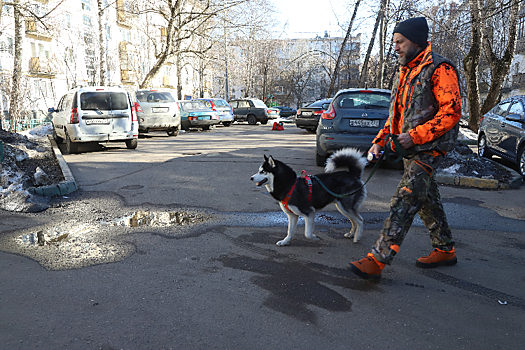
61 50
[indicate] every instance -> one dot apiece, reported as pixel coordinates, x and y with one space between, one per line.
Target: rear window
258 104
322 104
221 103
362 99
103 101
192 105
154 96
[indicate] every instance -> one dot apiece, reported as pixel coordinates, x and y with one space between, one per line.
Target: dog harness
289 194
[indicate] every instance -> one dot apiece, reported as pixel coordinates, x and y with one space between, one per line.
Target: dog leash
388 155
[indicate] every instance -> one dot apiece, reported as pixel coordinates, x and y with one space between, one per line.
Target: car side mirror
51 110
515 118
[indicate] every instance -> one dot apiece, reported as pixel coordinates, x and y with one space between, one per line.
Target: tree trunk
101 41
14 99
364 69
343 45
471 63
499 67
382 40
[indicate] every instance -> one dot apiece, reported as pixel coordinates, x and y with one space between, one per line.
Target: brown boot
368 268
437 258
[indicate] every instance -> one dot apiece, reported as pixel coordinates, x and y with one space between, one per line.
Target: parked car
95 114
253 111
222 107
308 117
158 112
353 119
195 114
502 132
285 111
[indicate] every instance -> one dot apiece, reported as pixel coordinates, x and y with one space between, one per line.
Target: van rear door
104 112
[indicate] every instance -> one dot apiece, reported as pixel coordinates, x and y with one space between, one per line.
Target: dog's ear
265 158
271 162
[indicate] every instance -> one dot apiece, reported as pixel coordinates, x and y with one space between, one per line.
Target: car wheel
483 149
57 138
132 144
320 160
310 130
72 147
206 127
173 132
227 123
252 120
264 122
521 161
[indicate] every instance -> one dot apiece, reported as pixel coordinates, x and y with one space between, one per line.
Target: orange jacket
445 88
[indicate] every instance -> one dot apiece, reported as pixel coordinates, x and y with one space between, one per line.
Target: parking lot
214 278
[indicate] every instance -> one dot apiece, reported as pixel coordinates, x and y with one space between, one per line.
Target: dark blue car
502 132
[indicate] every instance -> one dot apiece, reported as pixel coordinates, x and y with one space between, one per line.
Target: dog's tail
351 158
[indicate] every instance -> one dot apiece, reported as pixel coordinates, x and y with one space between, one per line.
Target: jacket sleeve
446 90
380 138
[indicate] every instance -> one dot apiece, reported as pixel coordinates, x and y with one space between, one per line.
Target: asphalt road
213 278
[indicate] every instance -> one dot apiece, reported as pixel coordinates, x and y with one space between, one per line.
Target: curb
490 184
63 188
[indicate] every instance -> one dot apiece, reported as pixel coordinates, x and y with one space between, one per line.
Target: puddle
158 219
74 245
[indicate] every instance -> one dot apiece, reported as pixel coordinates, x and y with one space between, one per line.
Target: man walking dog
425 110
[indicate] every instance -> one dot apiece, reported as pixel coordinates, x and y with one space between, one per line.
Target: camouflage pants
417 193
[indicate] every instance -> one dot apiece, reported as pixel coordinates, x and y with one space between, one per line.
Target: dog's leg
292 224
356 219
309 227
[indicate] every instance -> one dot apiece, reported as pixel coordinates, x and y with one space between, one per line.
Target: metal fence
25 124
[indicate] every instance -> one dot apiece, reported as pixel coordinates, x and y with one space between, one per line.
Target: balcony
36 31
44 67
125 17
518 81
166 81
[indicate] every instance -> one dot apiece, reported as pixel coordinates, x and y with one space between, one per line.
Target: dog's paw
282 243
314 238
349 235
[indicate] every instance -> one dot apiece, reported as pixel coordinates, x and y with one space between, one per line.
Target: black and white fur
279 179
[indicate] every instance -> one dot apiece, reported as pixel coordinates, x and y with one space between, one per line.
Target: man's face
405 49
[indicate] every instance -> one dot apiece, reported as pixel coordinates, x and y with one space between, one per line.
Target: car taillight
74 116
319 112
138 108
134 112
330 114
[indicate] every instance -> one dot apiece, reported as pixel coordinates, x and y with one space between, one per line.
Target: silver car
158 112
95 114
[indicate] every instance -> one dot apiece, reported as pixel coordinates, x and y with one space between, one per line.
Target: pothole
73 244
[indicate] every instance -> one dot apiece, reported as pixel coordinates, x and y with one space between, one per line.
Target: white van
95 114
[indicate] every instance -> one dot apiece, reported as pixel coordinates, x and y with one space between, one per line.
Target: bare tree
343 45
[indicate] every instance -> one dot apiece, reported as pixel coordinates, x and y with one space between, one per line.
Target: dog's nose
251 178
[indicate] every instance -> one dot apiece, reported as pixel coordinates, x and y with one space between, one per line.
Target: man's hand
375 150
405 140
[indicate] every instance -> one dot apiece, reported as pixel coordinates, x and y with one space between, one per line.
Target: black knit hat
414 29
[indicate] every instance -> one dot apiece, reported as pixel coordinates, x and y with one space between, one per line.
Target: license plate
160 109
97 121
364 123
306 114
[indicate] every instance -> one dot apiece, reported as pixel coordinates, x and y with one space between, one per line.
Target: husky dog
302 196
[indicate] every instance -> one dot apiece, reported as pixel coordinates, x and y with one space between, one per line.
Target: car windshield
193 105
154 96
363 99
258 104
103 101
